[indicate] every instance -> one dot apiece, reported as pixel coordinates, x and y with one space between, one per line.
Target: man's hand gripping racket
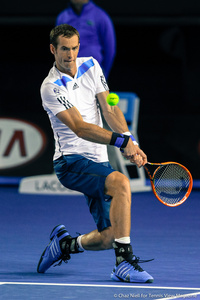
133 153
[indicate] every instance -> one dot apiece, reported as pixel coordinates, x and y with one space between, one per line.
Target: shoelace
64 259
134 262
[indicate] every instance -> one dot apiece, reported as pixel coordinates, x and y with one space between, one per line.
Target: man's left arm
112 114
116 121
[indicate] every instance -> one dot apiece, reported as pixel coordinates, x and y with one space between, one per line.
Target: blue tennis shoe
130 272
53 252
127 268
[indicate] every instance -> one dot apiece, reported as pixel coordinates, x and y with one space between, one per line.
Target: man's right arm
87 131
93 133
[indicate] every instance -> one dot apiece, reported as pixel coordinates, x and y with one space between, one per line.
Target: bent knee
117 182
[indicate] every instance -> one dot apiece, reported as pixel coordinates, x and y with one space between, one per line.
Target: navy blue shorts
88 177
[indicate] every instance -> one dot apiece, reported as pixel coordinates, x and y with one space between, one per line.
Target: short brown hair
62 30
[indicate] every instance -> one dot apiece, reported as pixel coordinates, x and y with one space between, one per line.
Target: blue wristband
119 140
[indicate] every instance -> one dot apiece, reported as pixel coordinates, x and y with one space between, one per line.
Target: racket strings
171 183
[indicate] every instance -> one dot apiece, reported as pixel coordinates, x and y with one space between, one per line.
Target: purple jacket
97 35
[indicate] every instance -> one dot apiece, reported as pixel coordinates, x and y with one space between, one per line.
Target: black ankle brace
123 252
69 245
74 246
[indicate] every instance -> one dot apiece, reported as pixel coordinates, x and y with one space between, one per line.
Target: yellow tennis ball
112 99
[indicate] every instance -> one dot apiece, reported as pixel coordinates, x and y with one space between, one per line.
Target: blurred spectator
96 30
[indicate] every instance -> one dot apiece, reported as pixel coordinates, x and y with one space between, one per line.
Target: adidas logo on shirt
75 86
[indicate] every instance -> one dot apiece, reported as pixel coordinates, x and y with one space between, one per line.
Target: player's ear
52 49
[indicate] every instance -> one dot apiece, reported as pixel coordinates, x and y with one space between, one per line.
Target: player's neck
68 71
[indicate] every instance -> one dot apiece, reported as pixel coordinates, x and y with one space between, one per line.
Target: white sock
123 240
79 242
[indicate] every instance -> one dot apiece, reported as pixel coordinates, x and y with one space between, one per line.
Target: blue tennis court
169 235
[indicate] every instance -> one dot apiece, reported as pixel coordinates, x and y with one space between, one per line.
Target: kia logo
20 142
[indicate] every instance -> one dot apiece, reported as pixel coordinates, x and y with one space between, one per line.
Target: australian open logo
56 91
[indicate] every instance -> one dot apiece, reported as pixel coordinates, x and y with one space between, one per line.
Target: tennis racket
171 182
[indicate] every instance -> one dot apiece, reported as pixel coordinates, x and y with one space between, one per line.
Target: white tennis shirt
60 91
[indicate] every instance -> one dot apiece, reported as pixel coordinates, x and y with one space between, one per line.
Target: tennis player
72 95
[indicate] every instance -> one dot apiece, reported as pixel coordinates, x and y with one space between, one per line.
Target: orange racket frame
153 187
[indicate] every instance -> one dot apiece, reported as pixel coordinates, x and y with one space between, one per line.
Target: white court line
101 285
193 295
